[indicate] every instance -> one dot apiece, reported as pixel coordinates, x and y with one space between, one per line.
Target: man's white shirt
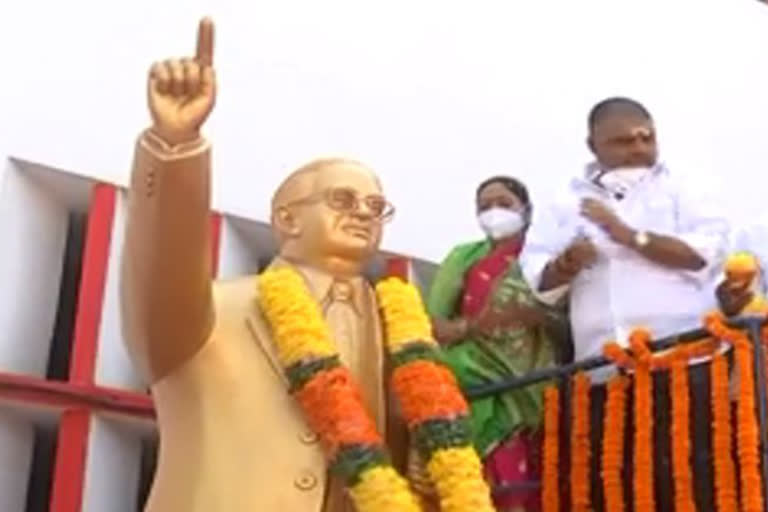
623 290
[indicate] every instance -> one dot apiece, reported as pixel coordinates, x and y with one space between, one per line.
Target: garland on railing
643 461
722 444
550 495
642 362
329 397
747 435
432 403
692 350
681 436
613 443
580 445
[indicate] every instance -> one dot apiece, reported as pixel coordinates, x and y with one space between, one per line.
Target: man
630 246
232 438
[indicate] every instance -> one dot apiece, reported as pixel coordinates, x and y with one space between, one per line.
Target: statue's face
342 217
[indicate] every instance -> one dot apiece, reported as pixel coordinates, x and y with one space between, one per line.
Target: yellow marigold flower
404 314
382 489
299 329
741 262
457 473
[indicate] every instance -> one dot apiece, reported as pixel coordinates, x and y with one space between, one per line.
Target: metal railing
561 374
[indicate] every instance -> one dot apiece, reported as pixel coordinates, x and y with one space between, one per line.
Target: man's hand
607 220
182 92
733 299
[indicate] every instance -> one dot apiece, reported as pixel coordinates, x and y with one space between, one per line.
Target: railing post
754 328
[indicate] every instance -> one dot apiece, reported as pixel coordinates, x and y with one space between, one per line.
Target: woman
486 316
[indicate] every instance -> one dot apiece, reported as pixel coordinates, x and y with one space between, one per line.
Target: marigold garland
613 443
550 493
418 408
681 435
643 362
580 445
457 474
330 398
643 475
692 350
639 343
333 405
722 444
747 437
628 360
301 334
405 317
432 403
618 355
382 489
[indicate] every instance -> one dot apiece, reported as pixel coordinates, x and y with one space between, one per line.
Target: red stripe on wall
28 390
69 469
399 266
92 281
216 220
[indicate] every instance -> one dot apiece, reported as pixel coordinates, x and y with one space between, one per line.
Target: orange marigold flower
334 410
722 444
427 391
747 437
638 342
681 440
617 355
645 500
550 494
580 445
613 443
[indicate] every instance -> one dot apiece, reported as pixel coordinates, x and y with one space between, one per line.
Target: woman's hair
513 185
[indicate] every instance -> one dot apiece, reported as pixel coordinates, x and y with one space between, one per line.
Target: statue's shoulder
235 294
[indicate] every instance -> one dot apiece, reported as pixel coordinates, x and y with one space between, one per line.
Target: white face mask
501 223
623 179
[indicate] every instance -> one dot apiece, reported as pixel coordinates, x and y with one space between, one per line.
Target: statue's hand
182 92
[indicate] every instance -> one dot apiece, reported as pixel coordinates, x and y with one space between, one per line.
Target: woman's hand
490 321
448 332
510 316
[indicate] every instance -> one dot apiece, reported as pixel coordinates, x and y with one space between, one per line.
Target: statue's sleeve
166 281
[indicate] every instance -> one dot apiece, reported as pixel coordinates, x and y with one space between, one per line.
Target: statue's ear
286 223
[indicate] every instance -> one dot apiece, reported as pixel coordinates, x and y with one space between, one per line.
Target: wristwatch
641 239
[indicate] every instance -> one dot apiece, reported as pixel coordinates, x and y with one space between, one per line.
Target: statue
232 438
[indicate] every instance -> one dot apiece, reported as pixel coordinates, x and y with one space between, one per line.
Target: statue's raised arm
166 274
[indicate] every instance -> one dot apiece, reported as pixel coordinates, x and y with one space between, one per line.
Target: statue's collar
326 288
